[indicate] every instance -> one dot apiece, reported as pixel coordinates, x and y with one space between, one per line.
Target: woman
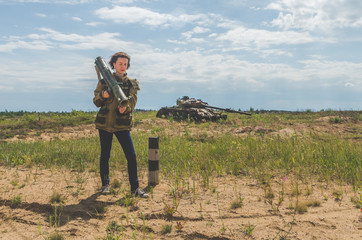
114 120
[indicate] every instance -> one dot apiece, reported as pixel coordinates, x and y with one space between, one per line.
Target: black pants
124 138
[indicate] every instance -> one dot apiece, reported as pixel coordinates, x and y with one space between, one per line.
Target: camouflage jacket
108 117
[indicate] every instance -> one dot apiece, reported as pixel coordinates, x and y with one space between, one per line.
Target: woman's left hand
122 109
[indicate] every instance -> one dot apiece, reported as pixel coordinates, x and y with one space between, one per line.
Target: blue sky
267 54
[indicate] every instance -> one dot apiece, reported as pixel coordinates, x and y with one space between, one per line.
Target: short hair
119 55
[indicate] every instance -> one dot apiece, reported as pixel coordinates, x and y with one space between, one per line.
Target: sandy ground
203 213
264 211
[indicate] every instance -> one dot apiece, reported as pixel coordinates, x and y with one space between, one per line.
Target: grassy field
307 148
206 152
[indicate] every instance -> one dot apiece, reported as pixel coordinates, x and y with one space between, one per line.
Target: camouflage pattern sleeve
133 94
98 100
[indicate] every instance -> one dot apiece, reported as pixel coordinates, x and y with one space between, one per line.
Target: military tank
195 110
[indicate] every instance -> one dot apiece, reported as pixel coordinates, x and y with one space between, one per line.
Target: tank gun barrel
227 110
186 102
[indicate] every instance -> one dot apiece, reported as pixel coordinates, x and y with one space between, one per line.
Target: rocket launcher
103 69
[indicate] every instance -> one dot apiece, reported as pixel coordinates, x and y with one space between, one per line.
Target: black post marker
153 161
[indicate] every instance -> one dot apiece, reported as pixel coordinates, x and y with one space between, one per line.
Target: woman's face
120 65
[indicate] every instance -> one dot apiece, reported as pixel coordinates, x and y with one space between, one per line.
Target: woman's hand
105 94
122 109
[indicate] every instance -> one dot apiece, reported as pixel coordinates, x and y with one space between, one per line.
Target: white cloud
212 71
50 38
57 36
41 15
20 44
200 30
196 30
77 19
176 42
215 69
94 24
260 38
134 15
72 2
65 71
342 71
126 15
121 1
316 15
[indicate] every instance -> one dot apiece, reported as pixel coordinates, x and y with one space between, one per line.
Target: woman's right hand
105 94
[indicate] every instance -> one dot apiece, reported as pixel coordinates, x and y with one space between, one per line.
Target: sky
290 55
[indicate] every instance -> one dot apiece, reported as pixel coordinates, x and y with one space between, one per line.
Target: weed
100 208
313 203
301 208
290 207
269 194
114 227
201 215
112 236
56 236
15 200
335 120
169 211
39 227
179 226
281 195
167 228
14 183
55 221
218 206
116 184
283 234
209 223
338 195
296 191
151 190
357 201
248 229
237 203
144 227
126 201
57 198
308 191
223 228
112 231
174 197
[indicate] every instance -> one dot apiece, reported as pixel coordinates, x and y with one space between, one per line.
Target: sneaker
105 189
140 193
